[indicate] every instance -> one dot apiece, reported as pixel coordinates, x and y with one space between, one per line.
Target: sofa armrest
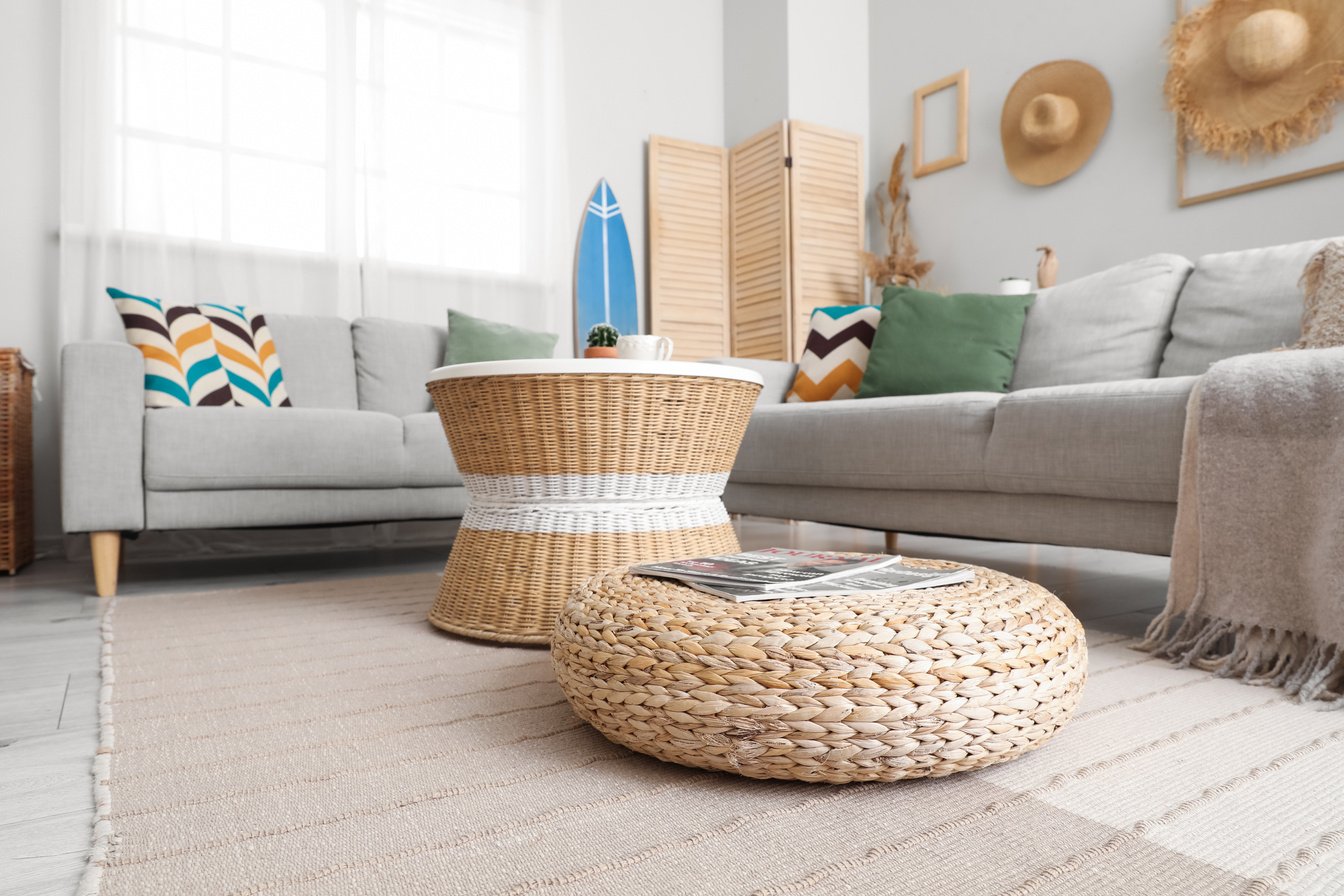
102 437
778 376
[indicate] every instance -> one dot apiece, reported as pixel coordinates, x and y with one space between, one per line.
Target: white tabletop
595 365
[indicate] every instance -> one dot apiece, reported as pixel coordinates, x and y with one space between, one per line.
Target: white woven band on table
560 487
590 518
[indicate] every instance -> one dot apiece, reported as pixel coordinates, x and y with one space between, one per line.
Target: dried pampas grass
901 265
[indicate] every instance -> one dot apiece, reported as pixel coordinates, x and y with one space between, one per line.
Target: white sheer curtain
384 157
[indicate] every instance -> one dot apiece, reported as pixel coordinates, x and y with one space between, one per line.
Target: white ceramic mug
644 348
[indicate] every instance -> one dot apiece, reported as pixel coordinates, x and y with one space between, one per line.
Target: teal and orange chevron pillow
202 356
248 352
835 355
182 365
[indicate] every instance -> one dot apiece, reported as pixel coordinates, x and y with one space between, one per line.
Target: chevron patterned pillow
182 367
248 352
836 353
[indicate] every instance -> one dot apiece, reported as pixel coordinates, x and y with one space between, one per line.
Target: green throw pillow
474 339
927 343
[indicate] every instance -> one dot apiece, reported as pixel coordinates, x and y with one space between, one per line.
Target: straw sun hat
1053 118
1257 75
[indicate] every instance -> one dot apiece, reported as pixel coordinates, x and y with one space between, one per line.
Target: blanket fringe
1302 665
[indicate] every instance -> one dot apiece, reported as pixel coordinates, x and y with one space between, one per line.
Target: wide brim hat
1257 75
1053 119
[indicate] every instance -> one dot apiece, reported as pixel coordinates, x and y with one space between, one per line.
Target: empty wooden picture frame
961 81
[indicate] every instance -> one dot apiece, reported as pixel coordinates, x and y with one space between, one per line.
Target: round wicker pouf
828 689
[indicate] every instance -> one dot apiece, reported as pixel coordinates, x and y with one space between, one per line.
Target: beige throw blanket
1257 574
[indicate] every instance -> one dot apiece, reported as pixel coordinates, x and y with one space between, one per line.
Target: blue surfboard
604 274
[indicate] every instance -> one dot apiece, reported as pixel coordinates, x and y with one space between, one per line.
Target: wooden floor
49 646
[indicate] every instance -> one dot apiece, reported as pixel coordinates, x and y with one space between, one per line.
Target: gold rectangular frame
961 81
1182 147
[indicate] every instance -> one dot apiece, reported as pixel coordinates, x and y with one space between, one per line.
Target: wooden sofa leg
889 541
106 548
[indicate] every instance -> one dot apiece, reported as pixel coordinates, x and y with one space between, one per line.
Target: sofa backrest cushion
392 360
319 360
1104 327
1236 303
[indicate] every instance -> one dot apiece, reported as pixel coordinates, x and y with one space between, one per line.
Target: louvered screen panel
688 247
759 272
826 198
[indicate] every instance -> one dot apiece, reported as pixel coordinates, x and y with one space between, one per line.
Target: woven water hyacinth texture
322 738
249 356
182 365
836 353
826 689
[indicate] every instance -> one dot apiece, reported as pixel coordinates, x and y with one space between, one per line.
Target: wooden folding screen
745 243
825 221
688 247
758 189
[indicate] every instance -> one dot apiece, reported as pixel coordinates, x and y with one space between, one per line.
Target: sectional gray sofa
361 443
1084 450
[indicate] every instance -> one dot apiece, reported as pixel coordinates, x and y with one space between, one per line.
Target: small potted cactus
602 341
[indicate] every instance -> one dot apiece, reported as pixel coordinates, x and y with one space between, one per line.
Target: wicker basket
16 460
571 473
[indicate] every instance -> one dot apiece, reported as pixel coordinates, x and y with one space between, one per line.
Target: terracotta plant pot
600 351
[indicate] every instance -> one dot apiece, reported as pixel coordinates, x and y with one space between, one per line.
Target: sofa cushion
427 458
1236 303
235 448
928 343
909 441
393 359
1111 325
319 360
836 353
1099 440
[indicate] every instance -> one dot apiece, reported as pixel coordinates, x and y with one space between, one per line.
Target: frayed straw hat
1257 75
1052 120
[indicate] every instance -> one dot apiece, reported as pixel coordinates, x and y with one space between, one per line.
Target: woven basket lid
1257 75
1053 118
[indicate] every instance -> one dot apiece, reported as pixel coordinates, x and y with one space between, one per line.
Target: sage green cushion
475 339
928 343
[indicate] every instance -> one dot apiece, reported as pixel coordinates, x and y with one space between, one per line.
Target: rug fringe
1304 666
101 848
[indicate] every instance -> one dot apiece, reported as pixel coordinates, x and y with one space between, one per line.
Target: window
400 128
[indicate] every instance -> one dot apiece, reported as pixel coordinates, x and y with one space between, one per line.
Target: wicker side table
16 461
575 466
824 689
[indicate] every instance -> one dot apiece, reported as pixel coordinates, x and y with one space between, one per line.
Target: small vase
600 351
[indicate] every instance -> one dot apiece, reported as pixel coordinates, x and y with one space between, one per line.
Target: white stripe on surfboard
606 262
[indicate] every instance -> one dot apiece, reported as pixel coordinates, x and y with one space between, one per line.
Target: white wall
635 68
29 88
977 223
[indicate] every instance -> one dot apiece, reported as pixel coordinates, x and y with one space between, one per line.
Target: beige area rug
323 739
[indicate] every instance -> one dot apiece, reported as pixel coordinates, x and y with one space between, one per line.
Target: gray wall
635 68
977 223
29 168
799 59
755 66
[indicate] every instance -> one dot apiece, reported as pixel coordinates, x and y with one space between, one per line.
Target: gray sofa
361 443
1084 450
